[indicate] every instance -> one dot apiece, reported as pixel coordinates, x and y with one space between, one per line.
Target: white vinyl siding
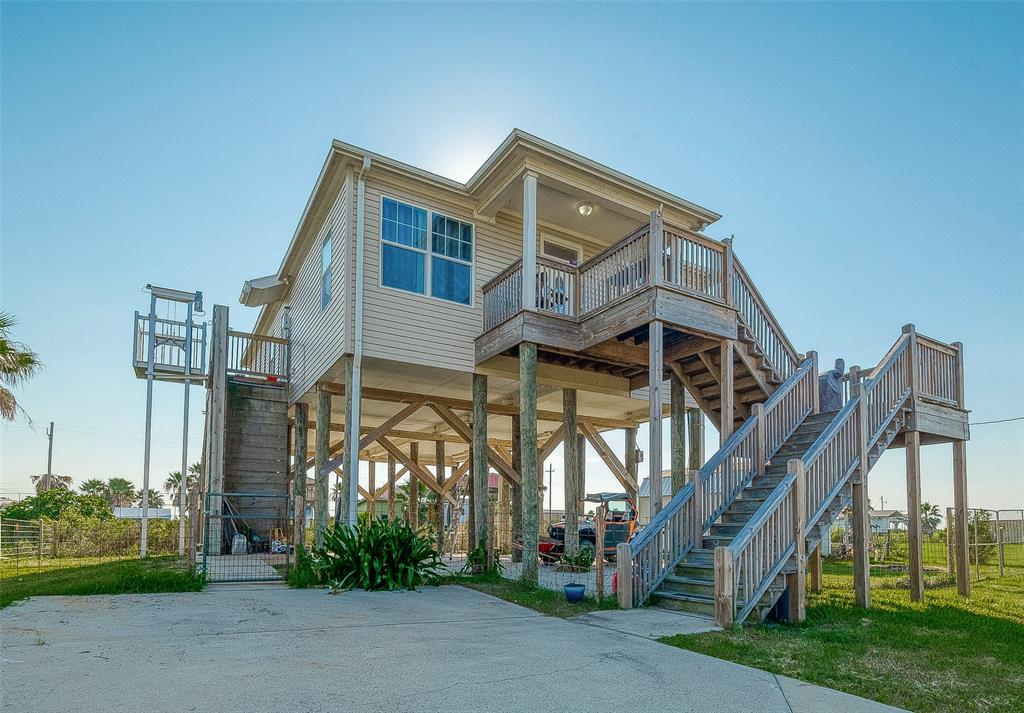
319 331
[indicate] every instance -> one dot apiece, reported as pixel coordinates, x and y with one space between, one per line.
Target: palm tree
18 364
931 516
173 483
57 482
121 493
156 499
95 486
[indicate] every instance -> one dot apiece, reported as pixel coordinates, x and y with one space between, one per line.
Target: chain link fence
995 544
36 545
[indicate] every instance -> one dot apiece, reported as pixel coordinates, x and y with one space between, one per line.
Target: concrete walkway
245 649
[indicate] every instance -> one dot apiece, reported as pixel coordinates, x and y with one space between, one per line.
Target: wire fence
995 544
246 537
36 545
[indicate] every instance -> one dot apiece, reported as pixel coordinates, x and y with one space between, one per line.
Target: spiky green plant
375 555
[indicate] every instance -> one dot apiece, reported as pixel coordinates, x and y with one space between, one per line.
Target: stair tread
679 596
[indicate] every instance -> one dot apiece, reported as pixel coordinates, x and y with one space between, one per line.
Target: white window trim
429 252
545 237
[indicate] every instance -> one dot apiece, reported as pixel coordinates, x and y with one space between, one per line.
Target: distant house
882 521
136 513
643 504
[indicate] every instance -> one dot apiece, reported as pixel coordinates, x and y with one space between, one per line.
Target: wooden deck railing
680 525
758 318
257 356
616 272
939 372
691 263
694 263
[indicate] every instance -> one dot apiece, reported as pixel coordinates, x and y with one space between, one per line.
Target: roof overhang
260 291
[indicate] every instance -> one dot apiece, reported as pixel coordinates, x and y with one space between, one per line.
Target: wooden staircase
691 586
754 380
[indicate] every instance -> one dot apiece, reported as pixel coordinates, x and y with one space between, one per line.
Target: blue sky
867 158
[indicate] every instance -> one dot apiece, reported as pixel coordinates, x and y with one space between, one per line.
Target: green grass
945 654
529 595
97 576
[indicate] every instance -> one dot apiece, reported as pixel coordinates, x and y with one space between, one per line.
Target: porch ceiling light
585 208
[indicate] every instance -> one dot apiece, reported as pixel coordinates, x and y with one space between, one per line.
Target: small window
408 264
325 271
561 252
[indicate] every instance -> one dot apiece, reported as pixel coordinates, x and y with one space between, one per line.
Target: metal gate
246 537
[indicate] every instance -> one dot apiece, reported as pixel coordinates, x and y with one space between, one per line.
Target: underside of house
431 332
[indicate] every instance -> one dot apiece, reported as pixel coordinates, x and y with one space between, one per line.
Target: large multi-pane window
408 262
325 271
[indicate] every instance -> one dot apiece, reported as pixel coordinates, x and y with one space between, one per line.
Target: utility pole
49 459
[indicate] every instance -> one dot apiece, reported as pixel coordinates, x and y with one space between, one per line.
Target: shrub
375 555
54 503
580 560
477 561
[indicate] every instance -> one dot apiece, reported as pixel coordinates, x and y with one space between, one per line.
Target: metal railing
680 525
171 345
257 356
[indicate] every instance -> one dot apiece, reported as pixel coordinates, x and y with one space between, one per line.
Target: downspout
357 351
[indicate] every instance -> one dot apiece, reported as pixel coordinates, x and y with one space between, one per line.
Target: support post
414 488
528 457
571 447
963 574
321 448
348 490
301 435
600 520
631 460
860 523
912 363
695 425
728 403
471 529
391 487
950 544
999 544
216 416
678 431
480 500
797 581
439 468
529 241
814 565
516 494
913 452
371 489
760 444
697 521
624 568
655 361
725 598
656 247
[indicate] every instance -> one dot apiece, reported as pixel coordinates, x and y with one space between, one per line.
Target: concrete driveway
248 649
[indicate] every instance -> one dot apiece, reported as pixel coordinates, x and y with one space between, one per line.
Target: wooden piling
528 458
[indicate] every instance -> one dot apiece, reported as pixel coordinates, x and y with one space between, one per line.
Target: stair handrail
759 320
759 552
680 525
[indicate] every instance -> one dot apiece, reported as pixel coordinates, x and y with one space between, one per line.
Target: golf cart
619 526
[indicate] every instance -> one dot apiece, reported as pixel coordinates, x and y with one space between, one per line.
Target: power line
999 420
